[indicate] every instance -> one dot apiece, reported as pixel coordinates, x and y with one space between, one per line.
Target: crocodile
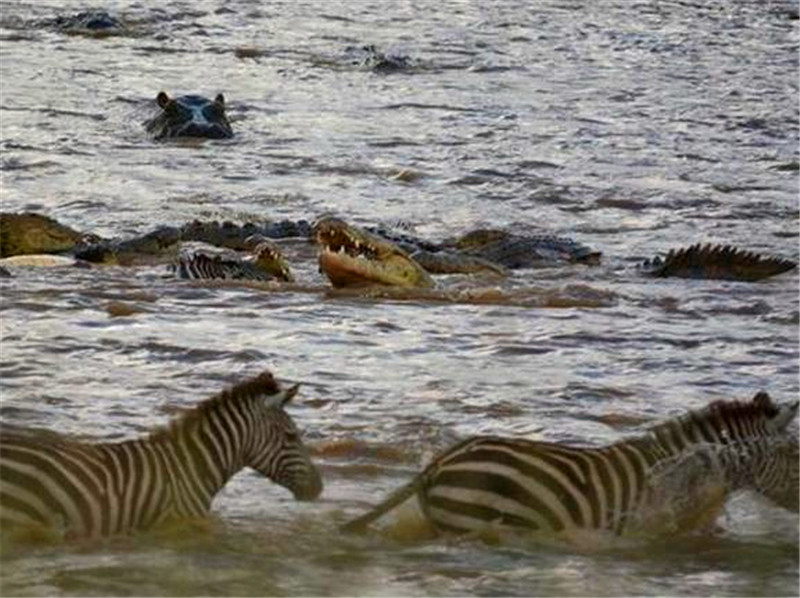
368 57
164 242
33 233
351 256
708 261
524 251
346 249
189 116
717 262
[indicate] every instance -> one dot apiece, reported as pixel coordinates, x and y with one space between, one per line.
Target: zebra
265 262
97 489
489 483
688 491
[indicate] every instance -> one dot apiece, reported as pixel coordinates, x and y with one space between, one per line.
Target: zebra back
720 422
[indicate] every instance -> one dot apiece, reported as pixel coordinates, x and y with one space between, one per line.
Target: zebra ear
283 396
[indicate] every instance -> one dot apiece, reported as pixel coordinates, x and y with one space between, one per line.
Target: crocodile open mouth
341 242
350 256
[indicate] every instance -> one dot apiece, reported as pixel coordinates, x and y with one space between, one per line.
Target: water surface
633 127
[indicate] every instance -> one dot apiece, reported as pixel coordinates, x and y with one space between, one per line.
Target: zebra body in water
673 478
94 489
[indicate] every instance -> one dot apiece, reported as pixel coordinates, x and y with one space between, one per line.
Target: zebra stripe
198 261
199 266
495 482
96 489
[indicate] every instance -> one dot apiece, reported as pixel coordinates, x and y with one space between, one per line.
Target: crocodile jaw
344 270
349 256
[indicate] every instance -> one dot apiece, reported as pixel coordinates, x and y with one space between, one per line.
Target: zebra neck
749 464
201 456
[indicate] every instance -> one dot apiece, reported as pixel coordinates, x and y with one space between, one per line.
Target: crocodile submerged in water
368 57
92 23
352 256
189 116
163 243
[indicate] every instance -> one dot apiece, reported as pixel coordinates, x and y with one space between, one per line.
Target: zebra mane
737 418
258 386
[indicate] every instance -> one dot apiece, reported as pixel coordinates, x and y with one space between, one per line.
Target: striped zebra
492 483
93 489
200 261
688 491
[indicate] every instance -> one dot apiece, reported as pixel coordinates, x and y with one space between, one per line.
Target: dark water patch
340 18
578 391
10 164
582 339
421 106
536 164
393 143
793 166
698 158
756 308
520 350
790 319
622 204
739 188
496 68
20 415
56 112
155 50
15 369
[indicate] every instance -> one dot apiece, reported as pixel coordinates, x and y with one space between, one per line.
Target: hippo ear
162 99
220 99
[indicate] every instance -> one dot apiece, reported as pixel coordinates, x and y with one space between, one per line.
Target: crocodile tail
721 262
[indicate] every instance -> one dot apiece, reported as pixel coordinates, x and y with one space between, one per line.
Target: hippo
190 116
95 23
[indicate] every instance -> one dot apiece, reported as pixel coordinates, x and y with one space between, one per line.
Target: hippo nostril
209 131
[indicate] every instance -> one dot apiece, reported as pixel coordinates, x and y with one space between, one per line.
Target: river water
631 126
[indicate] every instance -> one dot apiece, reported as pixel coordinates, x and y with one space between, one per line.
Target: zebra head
780 416
278 452
731 421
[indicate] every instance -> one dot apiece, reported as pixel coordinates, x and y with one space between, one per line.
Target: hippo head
190 116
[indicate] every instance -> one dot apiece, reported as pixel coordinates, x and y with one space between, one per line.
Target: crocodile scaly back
722 262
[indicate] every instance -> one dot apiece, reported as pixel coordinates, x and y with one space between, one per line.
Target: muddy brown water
633 127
